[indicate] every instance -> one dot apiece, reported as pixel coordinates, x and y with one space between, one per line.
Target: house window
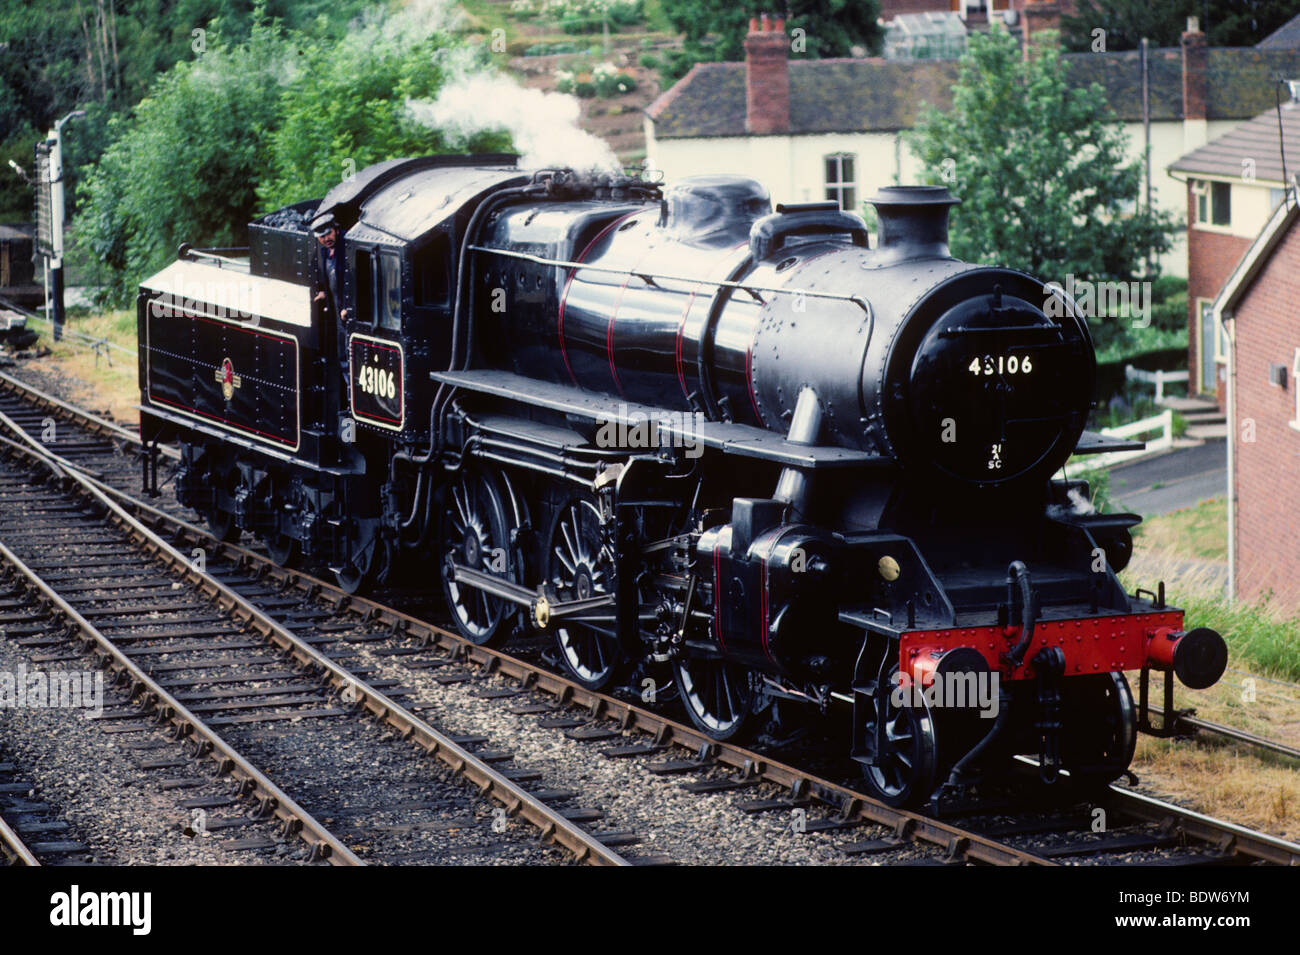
1213 203
1206 346
840 184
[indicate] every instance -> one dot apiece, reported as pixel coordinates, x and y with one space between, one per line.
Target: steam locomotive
730 449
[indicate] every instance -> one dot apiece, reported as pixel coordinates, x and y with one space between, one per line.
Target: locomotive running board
684 426
542 607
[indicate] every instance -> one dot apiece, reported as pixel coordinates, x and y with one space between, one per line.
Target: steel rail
91 421
1196 724
552 824
297 820
1228 837
14 847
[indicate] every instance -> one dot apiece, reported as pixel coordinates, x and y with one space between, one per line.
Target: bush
590 16
604 80
248 127
185 164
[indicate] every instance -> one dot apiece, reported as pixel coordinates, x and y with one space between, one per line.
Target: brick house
1233 185
1259 310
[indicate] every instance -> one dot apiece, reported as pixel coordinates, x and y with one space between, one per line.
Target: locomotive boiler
732 450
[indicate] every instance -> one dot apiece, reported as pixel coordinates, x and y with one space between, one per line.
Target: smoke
1079 503
544 126
414 21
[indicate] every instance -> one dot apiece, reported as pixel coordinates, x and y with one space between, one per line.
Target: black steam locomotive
733 450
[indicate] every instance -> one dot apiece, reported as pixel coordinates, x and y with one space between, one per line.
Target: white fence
1162 423
1157 378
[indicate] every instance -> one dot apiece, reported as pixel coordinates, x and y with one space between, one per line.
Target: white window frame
1221 341
840 184
1203 190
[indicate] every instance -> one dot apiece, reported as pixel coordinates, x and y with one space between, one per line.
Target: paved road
1172 481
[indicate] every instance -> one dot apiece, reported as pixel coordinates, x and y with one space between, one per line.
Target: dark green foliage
1040 168
244 128
1162 22
103 56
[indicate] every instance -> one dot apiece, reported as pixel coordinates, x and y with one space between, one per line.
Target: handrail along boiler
728 449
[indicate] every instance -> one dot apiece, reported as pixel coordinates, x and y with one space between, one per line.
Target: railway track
1139 829
244 673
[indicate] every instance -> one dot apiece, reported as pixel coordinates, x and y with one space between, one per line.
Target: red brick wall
1211 257
1268 469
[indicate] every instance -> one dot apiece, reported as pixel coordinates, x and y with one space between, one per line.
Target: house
1257 309
1233 183
833 128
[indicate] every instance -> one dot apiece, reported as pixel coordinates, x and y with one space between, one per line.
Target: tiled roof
1255 140
873 95
1285 37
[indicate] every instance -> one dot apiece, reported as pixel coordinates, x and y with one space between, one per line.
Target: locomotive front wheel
1099 732
907 763
581 566
475 532
717 695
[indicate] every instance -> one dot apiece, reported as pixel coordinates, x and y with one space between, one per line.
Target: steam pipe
1018 582
999 723
792 487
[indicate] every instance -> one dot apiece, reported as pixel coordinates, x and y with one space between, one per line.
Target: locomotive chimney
913 223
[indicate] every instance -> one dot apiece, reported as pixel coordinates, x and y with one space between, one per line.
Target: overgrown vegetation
248 126
715 30
105 55
1200 532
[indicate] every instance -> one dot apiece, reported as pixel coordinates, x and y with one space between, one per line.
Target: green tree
345 109
1126 22
183 165
715 29
1040 167
104 55
247 127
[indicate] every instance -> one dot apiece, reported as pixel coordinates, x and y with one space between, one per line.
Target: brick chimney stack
1037 16
1195 59
767 77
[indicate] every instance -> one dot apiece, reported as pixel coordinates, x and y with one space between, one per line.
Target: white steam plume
544 126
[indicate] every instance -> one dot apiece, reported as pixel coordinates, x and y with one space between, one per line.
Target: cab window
389 289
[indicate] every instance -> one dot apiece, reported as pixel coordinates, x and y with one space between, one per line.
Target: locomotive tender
732 450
